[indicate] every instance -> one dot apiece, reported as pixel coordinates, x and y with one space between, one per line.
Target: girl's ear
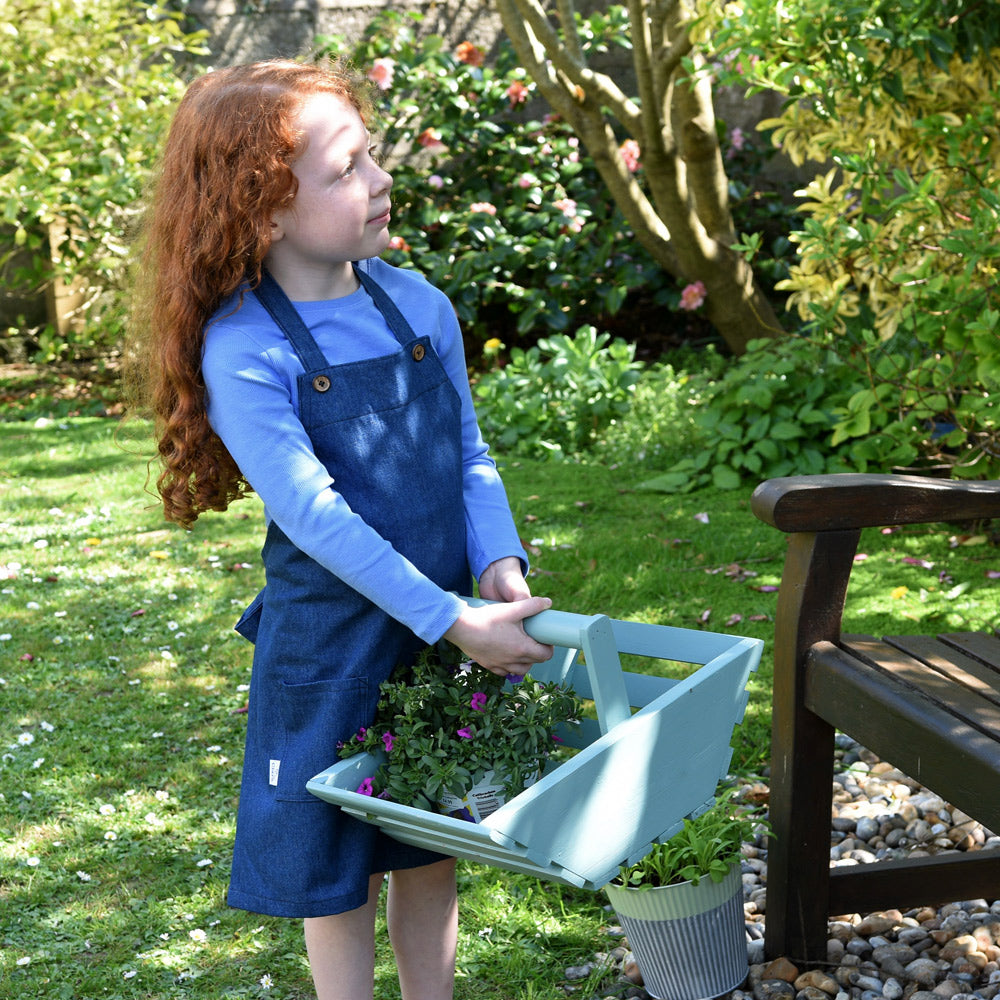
277 232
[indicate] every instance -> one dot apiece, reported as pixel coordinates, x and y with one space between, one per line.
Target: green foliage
504 213
898 253
443 726
769 414
85 88
707 847
554 399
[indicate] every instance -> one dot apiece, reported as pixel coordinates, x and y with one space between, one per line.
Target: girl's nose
382 180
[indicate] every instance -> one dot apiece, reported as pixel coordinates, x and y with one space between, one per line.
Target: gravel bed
950 952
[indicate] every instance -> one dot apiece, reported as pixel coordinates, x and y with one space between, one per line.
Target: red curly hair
225 169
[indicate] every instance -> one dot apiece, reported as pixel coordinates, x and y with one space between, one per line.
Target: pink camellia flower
629 150
387 740
465 733
470 54
517 93
430 139
382 73
483 206
568 208
693 296
478 702
365 788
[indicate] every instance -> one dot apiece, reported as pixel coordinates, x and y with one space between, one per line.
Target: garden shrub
86 86
898 253
770 413
555 398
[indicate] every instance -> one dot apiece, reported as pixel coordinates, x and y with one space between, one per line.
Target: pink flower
629 150
382 73
517 93
398 243
387 740
483 206
526 181
471 55
736 138
478 702
465 733
692 296
430 139
436 181
365 788
568 208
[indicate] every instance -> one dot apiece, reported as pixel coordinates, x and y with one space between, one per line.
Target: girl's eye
375 153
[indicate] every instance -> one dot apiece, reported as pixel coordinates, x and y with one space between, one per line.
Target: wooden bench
929 705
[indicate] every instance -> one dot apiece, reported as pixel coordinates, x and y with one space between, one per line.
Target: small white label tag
272 778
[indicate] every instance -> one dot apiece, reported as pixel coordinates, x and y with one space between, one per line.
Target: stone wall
244 32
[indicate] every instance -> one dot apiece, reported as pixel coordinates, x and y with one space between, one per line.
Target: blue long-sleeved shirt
250 373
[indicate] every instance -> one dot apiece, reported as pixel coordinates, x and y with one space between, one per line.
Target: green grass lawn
120 675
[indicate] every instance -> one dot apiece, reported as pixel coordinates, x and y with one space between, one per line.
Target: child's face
341 210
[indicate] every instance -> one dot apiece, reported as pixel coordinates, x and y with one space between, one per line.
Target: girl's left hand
504 580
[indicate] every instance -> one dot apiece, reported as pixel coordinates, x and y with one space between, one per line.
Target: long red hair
225 169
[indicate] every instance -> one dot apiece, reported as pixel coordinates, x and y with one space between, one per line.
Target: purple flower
387 740
365 788
478 701
465 733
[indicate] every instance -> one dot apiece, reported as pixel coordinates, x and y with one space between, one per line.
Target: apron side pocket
313 719
249 621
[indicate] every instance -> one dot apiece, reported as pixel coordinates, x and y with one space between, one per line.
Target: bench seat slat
966 705
980 646
938 654
924 740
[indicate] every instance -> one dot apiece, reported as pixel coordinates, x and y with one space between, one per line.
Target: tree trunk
684 222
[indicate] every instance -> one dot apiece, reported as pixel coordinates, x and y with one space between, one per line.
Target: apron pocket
249 621
313 719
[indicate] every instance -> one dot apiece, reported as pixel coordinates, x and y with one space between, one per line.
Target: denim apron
388 430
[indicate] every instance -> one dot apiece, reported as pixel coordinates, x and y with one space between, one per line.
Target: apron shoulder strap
280 308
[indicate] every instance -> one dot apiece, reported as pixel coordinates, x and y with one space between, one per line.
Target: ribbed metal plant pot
688 940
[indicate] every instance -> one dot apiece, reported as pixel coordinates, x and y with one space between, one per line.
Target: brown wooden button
418 352
321 383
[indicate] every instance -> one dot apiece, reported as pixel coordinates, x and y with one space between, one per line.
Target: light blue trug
636 777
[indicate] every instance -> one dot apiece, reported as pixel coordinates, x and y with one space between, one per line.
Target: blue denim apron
388 430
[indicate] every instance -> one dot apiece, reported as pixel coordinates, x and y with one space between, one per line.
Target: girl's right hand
494 637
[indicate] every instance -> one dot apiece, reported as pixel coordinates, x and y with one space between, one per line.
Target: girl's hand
494 637
504 580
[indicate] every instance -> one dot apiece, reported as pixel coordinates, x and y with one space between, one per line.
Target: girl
279 355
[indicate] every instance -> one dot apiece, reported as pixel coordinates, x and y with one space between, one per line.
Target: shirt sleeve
490 528
251 408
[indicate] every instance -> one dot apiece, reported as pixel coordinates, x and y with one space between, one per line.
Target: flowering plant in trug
443 725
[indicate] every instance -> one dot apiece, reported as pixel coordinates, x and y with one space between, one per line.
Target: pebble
946 953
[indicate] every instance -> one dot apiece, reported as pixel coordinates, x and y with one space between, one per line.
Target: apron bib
388 430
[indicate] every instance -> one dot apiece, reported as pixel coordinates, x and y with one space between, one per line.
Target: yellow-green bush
899 253
86 88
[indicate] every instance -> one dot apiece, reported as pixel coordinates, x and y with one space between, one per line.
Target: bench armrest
855 500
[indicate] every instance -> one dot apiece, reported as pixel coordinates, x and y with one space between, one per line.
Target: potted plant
455 738
681 906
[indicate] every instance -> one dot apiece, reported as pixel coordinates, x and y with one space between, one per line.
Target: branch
706 171
567 18
524 20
